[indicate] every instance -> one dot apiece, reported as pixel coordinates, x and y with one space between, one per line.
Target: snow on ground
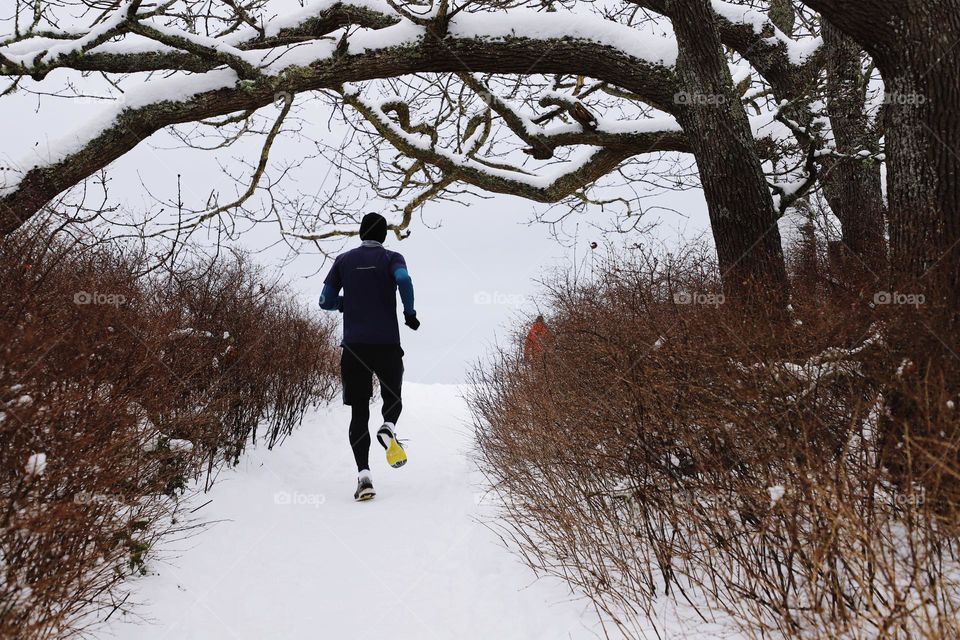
290 555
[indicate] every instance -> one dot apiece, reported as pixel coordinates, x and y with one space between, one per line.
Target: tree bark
915 46
853 186
738 198
923 152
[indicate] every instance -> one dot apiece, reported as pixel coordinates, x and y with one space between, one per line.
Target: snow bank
179 445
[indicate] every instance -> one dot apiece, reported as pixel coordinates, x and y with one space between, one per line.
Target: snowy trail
292 556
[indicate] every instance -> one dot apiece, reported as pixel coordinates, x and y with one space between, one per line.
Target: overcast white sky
475 275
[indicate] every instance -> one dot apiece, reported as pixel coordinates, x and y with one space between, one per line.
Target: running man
370 277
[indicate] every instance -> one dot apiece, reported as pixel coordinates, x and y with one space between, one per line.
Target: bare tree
741 206
232 60
489 97
340 44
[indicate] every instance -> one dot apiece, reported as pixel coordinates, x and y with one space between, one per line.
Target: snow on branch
381 28
785 62
798 51
321 47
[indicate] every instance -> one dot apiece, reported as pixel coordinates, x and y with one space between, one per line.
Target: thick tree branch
335 17
652 82
768 55
205 48
867 21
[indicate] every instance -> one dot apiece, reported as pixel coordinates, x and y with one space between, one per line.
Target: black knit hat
373 227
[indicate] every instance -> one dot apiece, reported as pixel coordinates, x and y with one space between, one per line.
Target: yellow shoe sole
396 456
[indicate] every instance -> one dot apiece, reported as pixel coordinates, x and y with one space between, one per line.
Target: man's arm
405 287
330 298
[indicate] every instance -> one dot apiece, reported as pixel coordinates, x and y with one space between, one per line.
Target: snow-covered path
292 556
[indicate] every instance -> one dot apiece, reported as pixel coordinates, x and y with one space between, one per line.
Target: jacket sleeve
405 287
330 298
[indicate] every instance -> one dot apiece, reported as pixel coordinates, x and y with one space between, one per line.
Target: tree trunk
923 156
852 186
915 46
738 199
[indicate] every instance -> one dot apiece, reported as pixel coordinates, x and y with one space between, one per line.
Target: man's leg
360 434
390 374
357 381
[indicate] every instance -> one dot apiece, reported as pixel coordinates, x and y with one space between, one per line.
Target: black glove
410 319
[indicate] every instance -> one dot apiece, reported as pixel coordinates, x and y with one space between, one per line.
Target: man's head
373 227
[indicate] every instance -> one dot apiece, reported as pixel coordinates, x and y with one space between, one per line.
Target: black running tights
360 434
360 431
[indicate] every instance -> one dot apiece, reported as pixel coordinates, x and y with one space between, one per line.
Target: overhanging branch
652 82
539 189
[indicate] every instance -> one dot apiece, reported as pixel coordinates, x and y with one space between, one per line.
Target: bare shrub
666 442
118 390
